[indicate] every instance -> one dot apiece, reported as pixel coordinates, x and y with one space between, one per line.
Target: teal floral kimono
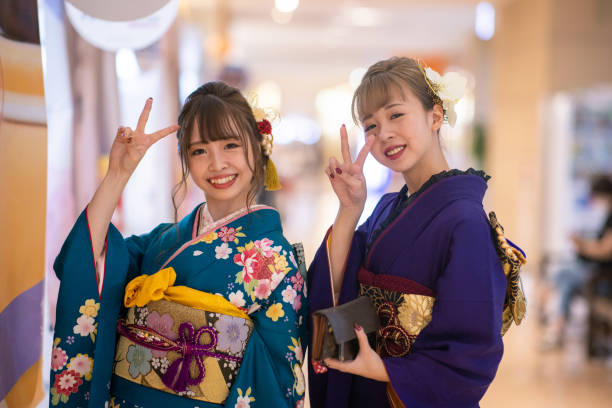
243 258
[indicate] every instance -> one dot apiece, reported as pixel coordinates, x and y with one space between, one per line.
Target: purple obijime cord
177 376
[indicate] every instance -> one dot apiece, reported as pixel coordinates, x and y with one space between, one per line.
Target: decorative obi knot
180 340
403 306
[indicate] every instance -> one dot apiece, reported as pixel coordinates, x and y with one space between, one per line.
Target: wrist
351 210
117 177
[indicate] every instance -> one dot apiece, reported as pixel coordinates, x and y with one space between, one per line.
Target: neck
221 209
427 166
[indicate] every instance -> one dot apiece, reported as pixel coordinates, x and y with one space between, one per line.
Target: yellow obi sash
180 340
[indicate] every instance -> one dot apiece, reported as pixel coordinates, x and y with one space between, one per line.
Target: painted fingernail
338 170
357 327
331 175
343 125
150 99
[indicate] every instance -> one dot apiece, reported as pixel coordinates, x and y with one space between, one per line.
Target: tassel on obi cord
160 285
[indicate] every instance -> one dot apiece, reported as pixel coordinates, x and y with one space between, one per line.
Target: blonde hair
385 79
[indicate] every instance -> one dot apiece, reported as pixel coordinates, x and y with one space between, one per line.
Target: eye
396 115
369 127
232 145
197 152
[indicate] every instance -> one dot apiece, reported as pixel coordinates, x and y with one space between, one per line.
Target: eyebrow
234 139
387 107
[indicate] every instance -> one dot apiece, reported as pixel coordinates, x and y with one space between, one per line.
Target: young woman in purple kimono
425 257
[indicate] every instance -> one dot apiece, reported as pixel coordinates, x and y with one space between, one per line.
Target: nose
384 132
217 160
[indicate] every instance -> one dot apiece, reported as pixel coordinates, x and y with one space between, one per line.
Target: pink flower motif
297 281
265 246
297 303
227 234
58 359
263 290
85 326
163 325
288 294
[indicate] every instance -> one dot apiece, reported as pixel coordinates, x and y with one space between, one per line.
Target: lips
393 152
223 181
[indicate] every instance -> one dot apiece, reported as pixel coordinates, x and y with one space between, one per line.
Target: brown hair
221 112
386 77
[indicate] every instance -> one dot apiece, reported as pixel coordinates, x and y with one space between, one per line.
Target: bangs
216 120
373 93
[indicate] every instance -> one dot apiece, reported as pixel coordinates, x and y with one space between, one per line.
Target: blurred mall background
537 118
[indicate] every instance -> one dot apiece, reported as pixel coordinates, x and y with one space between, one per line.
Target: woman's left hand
367 363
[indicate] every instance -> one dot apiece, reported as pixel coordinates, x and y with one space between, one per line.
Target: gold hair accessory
447 89
263 118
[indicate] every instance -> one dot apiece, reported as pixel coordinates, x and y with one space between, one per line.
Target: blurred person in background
594 262
214 305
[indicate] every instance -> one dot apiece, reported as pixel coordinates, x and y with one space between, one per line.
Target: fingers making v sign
347 178
130 145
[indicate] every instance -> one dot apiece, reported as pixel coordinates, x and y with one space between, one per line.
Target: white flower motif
276 279
197 253
289 294
223 251
259 114
300 383
237 298
85 326
243 402
450 88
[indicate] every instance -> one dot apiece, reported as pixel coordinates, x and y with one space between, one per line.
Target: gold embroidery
415 312
402 317
512 260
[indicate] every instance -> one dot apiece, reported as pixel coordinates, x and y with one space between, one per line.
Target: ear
438 117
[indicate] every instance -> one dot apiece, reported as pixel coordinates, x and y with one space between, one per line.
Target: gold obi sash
180 340
404 308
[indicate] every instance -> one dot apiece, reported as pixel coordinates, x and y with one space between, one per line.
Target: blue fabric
441 240
270 374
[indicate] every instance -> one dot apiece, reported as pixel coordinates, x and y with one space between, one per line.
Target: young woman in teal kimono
206 312
428 258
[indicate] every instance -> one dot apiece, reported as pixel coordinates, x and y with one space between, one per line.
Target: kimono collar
440 189
204 221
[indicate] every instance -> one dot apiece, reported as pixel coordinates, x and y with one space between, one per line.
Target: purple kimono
430 255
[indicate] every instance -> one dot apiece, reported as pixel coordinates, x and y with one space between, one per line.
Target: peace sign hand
130 146
347 178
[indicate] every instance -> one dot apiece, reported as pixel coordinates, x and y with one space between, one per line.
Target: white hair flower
449 87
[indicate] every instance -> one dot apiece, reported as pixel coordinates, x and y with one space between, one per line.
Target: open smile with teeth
394 151
222 180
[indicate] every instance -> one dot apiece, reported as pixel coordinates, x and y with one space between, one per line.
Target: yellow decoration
209 238
146 288
271 181
275 311
90 308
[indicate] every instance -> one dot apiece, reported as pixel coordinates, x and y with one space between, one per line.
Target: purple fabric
442 241
20 336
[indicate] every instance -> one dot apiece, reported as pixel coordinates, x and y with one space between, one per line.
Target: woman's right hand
347 178
130 146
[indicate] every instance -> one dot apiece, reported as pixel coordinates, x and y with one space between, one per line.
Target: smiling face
405 133
221 169
220 148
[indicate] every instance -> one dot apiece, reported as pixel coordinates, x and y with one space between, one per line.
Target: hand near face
130 146
347 178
